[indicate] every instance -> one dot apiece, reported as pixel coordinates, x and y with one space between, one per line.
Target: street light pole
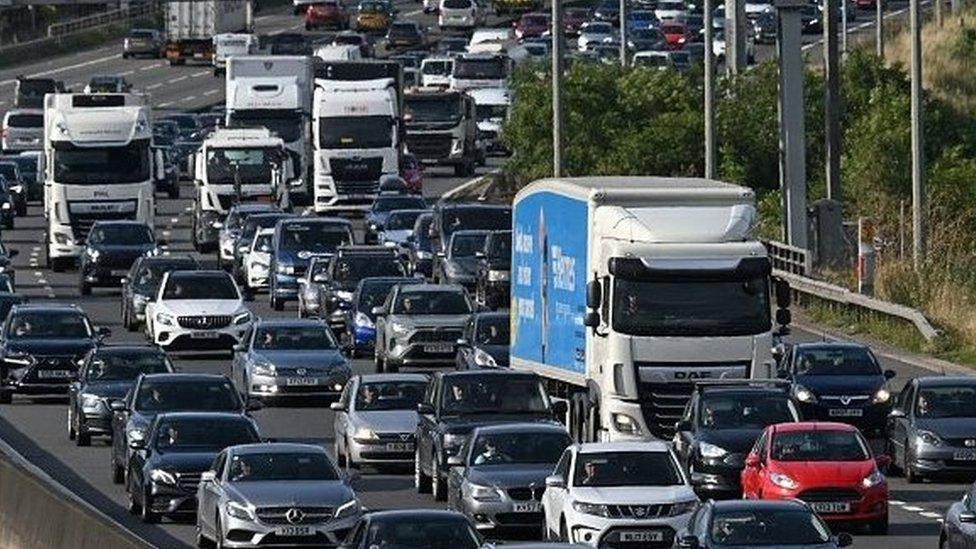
832 100
710 156
623 33
557 88
918 157
879 28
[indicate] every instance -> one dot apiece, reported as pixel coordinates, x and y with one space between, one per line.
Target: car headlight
348 509
873 479
683 507
362 320
882 396
164 318
711 451
498 276
264 369
240 511
260 265
626 424
398 329
344 295
92 254
453 440
804 395
90 402
482 358
484 493
928 437
365 434
136 433
595 509
162 476
17 189
286 269
5 206
242 318
374 227
783 481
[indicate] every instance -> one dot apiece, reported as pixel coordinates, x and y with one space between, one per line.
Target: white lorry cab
491 106
232 44
480 70
99 166
236 165
627 290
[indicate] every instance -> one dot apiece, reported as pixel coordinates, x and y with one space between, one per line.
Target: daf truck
235 165
100 166
275 91
191 25
356 131
442 129
627 290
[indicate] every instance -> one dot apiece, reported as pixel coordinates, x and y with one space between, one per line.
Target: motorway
37 429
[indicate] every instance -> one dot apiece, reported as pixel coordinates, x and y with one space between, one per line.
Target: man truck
627 290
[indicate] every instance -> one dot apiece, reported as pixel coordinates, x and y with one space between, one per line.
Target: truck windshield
691 307
250 165
286 125
101 165
355 132
493 68
433 109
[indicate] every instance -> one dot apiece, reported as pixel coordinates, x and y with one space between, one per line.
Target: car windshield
404 30
253 223
946 401
745 411
457 4
318 238
120 235
390 203
428 533
509 448
492 331
286 125
126 366
432 302
644 34
389 395
25 120
768 527
353 268
691 307
598 28
626 469
48 325
819 446
836 361
535 20
466 245
488 68
191 395
355 132
293 338
402 220
200 287
501 394
140 34
281 467
151 273
203 434
243 166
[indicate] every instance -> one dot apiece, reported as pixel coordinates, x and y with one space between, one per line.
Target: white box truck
626 290
191 26
276 92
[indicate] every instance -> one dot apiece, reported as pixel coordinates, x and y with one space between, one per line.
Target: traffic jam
602 361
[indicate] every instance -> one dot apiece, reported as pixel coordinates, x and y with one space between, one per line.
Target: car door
427 423
74 389
210 493
754 463
899 423
340 421
553 499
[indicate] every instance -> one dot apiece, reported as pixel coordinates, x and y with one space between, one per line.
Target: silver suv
23 130
147 42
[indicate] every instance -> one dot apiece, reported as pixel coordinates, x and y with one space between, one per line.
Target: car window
938 402
759 448
218 464
819 446
831 361
609 469
389 395
745 411
200 287
562 467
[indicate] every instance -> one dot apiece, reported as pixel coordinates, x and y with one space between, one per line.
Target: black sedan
414 528
459 264
405 34
110 250
142 283
107 374
166 466
485 342
758 523
381 208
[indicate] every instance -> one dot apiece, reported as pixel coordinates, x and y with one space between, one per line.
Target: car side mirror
253 405
441 255
555 481
13 253
455 461
752 460
302 280
594 294
425 409
688 542
378 311
591 319
888 374
137 444
337 407
320 278
239 348
208 476
844 539
117 405
967 517
124 281
896 413
103 332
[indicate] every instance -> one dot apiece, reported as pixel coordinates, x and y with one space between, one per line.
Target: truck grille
356 170
294 515
430 146
208 322
443 336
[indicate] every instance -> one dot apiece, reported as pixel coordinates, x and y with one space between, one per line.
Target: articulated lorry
627 290
191 25
357 132
275 92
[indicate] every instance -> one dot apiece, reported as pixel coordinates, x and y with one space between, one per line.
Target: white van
460 14
435 72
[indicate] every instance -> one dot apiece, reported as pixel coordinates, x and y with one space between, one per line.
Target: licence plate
294 531
204 335
846 412
399 447
831 506
198 55
54 374
119 272
530 507
292 381
441 348
647 536
964 455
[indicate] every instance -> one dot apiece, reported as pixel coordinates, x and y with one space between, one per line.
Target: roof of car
831 345
184 377
419 288
276 447
283 322
485 372
200 273
382 378
224 416
491 315
255 207
758 504
128 348
316 221
803 426
623 446
125 222
415 515
388 279
943 381
744 386
473 206
44 306
354 249
526 427
170 258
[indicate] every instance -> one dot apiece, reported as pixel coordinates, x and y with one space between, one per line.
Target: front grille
188 481
395 437
639 512
430 146
527 493
356 170
207 322
63 369
662 405
435 336
294 515
846 400
118 260
830 494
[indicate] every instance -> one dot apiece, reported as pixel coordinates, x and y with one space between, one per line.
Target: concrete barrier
37 512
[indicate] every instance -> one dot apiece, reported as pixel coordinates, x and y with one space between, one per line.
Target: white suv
197 310
460 14
257 262
610 493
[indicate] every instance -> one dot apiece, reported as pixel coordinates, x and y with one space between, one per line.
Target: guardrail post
865 256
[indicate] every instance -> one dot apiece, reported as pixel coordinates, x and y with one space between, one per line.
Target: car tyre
911 477
276 303
218 534
82 437
71 425
202 541
131 505
147 515
563 531
6 397
340 457
437 482
118 473
378 361
420 481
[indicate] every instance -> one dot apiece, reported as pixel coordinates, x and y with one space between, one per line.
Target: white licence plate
846 412
831 506
964 455
646 536
439 348
399 447
57 374
293 381
529 507
204 335
294 531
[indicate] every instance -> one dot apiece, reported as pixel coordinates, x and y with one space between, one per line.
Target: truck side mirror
591 319
783 295
594 294
783 317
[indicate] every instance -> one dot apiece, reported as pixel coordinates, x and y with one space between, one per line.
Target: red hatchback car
828 465
676 35
531 25
331 14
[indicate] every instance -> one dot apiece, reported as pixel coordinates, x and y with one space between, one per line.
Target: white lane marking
912 508
210 92
175 80
126 73
66 68
151 67
41 281
930 514
154 86
896 502
2 103
200 73
167 233
414 12
166 104
174 220
38 273
190 98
